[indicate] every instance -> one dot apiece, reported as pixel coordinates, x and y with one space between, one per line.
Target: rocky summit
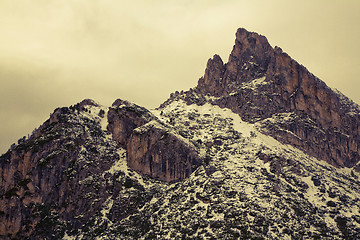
259 149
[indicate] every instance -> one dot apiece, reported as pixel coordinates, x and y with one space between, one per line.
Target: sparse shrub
101 113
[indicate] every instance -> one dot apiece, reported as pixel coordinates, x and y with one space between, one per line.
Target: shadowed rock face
260 82
42 179
160 153
152 148
124 117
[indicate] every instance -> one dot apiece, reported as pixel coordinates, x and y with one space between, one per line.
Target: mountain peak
252 40
249 59
253 152
259 82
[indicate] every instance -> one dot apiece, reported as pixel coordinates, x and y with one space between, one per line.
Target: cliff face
153 148
261 83
124 117
43 181
161 153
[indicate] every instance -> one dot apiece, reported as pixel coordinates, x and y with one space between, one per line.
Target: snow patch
119 165
254 83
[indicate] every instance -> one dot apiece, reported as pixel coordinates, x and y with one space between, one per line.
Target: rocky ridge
210 163
61 169
261 84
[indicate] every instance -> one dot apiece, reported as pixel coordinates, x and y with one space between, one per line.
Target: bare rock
153 149
40 179
160 153
212 82
124 117
88 102
260 82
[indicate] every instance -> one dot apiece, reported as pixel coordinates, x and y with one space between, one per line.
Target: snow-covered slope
254 186
250 187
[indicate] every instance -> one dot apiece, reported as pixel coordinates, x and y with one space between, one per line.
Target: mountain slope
262 84
238 156
61 178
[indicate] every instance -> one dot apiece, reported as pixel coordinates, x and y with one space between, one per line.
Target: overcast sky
55 53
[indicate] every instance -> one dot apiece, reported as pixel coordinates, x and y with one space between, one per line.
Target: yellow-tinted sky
57 52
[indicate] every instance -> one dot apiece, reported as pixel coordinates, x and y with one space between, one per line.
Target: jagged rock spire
212 81
249 59
286 86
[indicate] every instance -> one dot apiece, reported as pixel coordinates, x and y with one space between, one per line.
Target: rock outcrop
260 83
42 180
57 175
153 148
124 117
160 153
248 60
